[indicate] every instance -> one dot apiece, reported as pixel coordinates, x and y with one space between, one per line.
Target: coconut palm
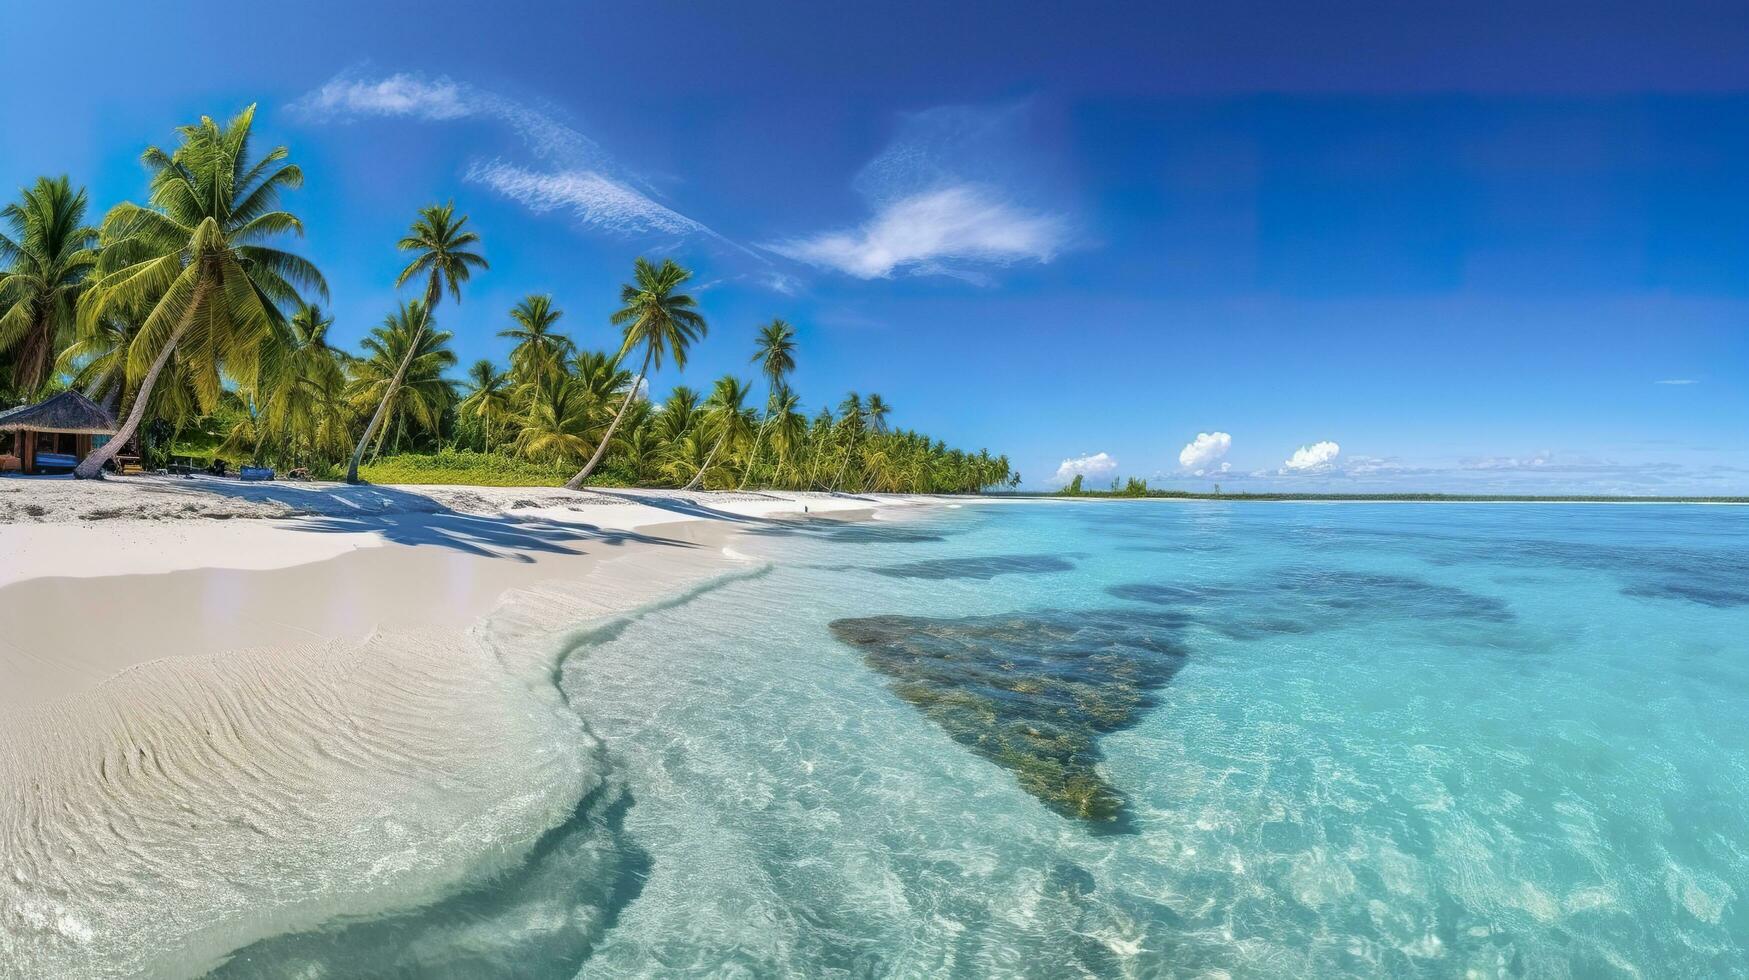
851 421
46 255
196 264
539 348
657 318
444 257
557 425
402 372
789 429
679 415
488 400
775 353
303 398
726 415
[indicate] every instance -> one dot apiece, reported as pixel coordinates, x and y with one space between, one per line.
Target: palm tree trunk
91 467
376 418
576 482
753 458
841 468
698 477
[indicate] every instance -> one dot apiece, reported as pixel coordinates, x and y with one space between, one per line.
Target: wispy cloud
1677 381
951 195
576 176
931 231
1095 464
594 199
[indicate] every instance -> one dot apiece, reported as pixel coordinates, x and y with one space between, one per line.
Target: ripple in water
1031 692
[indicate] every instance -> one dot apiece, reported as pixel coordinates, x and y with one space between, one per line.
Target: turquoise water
1152 738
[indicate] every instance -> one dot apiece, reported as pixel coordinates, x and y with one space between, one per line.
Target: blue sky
1375 246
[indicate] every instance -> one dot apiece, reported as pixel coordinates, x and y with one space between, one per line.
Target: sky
1383 246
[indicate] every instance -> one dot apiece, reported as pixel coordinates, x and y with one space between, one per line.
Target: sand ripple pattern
194 805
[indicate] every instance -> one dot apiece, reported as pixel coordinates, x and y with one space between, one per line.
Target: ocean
1147 738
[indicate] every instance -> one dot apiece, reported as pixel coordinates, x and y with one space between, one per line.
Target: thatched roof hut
68 412
53 434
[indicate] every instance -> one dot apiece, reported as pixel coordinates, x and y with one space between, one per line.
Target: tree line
189 311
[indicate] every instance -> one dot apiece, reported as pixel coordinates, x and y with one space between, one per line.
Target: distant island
1134 489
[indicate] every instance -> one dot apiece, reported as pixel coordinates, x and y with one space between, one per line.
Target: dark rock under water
984 567
1305 600
1030 691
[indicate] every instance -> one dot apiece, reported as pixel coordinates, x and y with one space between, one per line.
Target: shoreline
338 766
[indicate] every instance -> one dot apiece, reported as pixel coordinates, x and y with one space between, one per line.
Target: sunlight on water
1344 740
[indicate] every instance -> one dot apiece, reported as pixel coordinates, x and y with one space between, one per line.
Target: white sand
166 797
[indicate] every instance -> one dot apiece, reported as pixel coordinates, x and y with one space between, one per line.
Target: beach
234 711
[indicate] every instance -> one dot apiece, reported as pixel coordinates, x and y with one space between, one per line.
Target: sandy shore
235 710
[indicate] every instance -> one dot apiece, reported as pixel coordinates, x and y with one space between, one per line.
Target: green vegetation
465 467
188 317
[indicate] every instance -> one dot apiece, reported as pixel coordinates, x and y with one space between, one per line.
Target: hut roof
68 411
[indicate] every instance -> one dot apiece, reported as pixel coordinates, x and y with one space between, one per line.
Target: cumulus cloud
948 196
1200 453
577 175
1097 464
1317 456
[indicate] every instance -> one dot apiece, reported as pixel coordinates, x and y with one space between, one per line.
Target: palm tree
303 399
443 257
659 319
789 428
557 426
50 251
850 425
726 413
194 264
539 348
488 398
775 353
402 372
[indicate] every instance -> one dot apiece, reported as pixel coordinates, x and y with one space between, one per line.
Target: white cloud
1098 464
1201 452
581 178
1317 456
1677 381
594 199
958 190
928 231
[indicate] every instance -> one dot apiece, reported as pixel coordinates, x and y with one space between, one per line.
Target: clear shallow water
1351 739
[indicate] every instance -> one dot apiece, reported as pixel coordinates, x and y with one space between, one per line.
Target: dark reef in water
1031 691
1304 600
984 567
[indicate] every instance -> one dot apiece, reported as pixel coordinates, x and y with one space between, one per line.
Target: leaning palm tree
726 413
659 319
851 420
46 255
402 372
789 428
195 265
539 348
444 258
775 353
488 398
